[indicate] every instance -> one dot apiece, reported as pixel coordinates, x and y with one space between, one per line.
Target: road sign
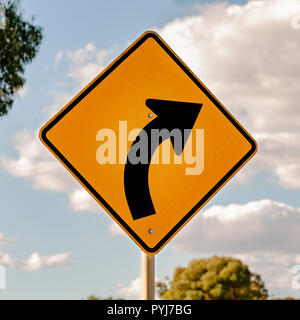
114 138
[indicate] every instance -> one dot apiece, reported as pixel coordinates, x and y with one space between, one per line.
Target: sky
55 240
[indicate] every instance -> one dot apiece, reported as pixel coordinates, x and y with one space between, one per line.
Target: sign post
148 276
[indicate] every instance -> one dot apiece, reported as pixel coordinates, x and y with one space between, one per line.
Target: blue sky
97 260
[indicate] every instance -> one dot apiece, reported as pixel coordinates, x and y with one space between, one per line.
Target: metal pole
148 276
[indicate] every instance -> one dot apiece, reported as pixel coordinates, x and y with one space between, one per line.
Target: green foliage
19 43
217 278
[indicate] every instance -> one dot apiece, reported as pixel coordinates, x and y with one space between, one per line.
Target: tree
217 278
19 43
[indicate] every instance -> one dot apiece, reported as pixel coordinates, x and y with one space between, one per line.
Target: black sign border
122 57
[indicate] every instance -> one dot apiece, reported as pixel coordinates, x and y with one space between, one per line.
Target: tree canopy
217 278
19 43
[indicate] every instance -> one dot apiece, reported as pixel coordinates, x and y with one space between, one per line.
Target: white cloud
6 260
248 55
276 271
132 290
296 22
84 63
36 163
58 58
264 234
80 200
258 226
59 99
35 262
39 166
5 240
115 230
22 91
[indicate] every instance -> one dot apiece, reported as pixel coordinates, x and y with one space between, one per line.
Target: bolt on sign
149 142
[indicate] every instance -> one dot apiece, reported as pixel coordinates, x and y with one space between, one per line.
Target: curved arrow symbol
170 115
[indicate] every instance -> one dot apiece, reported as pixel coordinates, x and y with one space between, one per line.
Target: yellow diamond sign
149 142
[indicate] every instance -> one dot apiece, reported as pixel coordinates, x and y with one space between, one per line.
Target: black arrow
170 115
